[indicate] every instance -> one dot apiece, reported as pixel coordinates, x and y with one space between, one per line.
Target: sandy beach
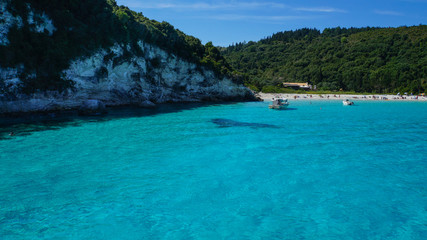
374 97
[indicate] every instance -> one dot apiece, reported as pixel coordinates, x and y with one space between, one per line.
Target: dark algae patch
222 122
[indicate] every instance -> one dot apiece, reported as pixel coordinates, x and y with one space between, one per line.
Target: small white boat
279 104
347 102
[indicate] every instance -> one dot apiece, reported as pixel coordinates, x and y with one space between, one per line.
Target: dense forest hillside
80 28
380 60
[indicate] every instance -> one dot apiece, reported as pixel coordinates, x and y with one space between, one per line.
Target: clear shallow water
315 171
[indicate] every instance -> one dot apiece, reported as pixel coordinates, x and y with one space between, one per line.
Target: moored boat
279 104
347 102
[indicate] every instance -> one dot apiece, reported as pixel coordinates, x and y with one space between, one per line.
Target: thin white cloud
205 6
389 13
234 6
237 17
320 9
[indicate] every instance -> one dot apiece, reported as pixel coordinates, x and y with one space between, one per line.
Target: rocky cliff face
117 78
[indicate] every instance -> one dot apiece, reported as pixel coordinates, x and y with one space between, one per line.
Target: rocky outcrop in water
92 107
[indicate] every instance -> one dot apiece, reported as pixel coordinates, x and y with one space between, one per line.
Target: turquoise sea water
318 170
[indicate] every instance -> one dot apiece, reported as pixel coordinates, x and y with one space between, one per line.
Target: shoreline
373 97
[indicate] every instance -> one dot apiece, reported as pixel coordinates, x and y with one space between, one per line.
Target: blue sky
227 22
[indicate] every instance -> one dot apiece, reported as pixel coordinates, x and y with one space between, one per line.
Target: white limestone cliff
118 81
111 76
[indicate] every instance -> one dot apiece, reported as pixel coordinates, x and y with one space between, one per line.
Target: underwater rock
222 122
